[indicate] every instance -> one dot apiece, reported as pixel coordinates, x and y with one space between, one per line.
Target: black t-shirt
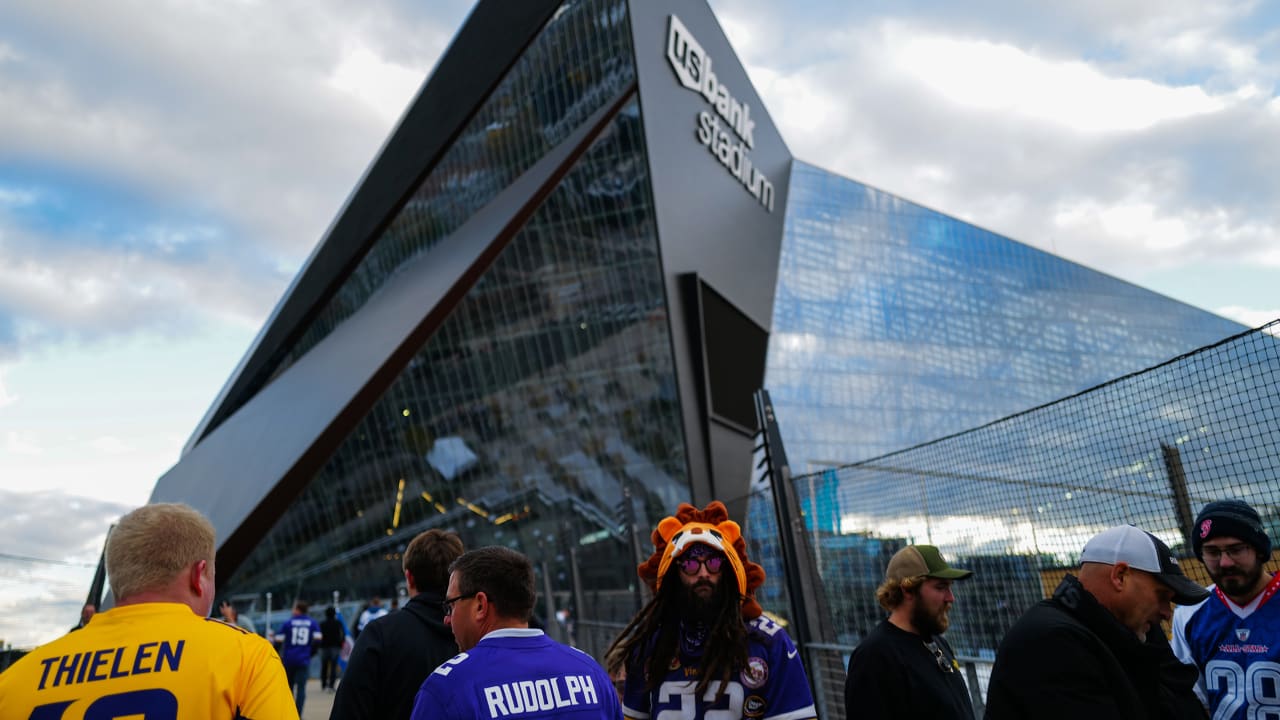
331 634
897 674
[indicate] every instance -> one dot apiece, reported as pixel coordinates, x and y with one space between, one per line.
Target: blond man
156 653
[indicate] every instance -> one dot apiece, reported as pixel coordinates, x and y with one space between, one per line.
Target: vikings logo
756 673
1204 528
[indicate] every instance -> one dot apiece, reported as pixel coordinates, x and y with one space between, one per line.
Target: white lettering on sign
693 68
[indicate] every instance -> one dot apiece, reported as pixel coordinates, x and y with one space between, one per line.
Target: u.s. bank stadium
542 316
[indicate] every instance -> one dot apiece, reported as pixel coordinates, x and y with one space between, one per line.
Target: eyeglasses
943 664
690 565
1235 552
447 603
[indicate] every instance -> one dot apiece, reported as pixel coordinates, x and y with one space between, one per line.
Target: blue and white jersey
773 685
1237 650
518 673
298 635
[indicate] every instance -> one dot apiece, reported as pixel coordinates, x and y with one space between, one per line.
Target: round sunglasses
690 565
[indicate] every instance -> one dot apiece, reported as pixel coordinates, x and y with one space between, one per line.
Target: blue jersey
1237 651
518 673
773 685
299 634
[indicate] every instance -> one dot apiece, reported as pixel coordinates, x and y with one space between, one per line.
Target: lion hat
709 526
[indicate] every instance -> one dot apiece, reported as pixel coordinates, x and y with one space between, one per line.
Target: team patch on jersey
675 662
756 673
1242 634
753 706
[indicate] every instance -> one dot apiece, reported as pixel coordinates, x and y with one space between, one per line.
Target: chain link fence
1016 499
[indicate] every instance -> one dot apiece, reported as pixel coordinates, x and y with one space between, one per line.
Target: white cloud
1002 78
386 87
19 443
110 445
16 197
1251 317
6 399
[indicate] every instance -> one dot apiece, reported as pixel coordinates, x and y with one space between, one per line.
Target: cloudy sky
166 167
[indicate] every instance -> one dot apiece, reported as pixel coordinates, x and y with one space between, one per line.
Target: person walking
332 634
397 651
299 637
86 614
231 615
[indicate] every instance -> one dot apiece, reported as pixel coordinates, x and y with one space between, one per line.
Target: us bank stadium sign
728 133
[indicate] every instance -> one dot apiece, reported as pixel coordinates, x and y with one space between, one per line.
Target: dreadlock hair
649 642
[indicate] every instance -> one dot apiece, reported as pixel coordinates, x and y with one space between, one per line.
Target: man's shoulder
1183 614
494 657
1046 625
766 629
880 638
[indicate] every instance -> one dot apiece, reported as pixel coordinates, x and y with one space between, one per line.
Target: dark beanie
1231 518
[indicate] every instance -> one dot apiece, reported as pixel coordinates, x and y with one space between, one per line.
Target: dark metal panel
709 221
246 472
494 36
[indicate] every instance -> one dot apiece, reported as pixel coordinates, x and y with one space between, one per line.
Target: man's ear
1120 573
195 577
483 606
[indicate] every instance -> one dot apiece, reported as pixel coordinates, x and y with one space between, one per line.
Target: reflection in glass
542 407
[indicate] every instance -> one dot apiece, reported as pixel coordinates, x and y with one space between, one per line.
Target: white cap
1143 551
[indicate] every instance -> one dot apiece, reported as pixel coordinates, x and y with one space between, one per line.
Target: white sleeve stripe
805 713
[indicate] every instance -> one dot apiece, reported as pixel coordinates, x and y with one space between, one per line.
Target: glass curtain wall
546 398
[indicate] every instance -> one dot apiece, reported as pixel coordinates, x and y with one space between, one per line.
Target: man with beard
1233 636
701 647
1085 652
903 668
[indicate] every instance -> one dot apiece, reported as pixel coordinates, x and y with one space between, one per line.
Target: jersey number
301 635
1258 688
155 704
689 706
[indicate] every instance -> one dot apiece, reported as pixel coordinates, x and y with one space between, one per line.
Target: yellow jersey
152 661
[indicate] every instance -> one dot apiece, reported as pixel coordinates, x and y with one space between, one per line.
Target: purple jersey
518 673
1236 649
299 635
773 685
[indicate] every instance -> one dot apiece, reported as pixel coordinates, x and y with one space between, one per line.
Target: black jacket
1069 657
391 658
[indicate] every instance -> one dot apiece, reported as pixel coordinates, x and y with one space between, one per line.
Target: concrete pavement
319 702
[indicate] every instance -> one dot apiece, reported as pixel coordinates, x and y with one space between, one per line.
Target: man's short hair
893 591
301 606
151 545
428 558
502 574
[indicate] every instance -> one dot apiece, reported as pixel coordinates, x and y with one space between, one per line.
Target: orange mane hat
709 526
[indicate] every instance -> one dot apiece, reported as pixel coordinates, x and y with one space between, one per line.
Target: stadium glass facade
547 397
551 403
895 324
